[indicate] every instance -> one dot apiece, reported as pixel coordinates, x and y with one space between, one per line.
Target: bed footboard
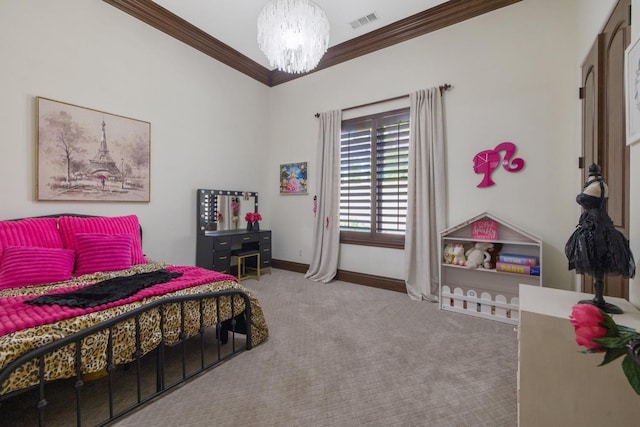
195 352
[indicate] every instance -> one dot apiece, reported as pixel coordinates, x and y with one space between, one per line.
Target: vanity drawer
222 261
265 240
222 243
242 239
265 252
265 249
266 263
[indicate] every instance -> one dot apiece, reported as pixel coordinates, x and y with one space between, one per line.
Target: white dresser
557 384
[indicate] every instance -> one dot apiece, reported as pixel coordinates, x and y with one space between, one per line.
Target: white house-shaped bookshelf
482 292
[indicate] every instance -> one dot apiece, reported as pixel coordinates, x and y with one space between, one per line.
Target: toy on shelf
447 253
495 253
478 255
458 255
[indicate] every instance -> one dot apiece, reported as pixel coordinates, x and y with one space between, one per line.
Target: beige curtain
426 204
326 231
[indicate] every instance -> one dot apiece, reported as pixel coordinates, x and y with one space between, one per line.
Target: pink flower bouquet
252 217
597 332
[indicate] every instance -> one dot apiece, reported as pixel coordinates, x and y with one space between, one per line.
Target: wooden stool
245 272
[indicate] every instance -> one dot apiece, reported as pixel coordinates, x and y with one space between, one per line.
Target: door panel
591 120
604 132
615 161
614 167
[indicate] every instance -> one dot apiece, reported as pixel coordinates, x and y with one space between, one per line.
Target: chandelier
293 34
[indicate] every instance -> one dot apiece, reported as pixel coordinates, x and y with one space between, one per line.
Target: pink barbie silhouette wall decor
485 162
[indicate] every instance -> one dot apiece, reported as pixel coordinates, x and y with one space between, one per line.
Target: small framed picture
632 91
293 178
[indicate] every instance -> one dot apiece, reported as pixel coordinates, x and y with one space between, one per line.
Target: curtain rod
442 88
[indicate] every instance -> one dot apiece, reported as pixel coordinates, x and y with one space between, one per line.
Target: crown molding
435 18
160 18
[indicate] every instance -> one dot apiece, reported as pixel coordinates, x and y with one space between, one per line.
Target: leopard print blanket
61 363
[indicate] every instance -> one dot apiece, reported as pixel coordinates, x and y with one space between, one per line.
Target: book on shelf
518 259
531 270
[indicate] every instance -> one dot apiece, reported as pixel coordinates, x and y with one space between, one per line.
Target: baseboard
348 276
290 266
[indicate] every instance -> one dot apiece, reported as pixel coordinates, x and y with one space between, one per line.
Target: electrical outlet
299 252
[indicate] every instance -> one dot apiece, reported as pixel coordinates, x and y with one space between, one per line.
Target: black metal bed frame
222 329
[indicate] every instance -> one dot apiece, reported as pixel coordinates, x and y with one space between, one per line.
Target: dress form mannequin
596 247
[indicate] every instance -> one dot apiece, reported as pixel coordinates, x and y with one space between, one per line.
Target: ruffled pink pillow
34 232
102 252
25 266
70 226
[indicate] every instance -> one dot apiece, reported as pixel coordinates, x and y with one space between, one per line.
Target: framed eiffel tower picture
91 156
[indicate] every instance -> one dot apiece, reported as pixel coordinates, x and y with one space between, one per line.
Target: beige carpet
341 354
338 354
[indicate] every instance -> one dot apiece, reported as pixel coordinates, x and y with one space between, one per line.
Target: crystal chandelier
293 34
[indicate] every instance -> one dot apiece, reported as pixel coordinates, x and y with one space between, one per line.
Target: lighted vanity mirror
225 209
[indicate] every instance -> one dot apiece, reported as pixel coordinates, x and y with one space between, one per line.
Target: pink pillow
72 225
102 252
24 266
33 232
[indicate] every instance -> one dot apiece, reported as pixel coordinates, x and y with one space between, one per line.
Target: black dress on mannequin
596 247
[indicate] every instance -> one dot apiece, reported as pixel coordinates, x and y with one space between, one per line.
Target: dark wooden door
604 124
591 94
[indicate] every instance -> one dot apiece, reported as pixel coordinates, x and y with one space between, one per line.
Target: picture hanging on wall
293 178
632 91
91 156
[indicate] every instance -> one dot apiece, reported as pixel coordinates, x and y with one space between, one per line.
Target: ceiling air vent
364 20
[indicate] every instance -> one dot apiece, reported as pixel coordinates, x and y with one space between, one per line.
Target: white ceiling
233 22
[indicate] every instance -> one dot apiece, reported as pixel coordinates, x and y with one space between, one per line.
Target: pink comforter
15 315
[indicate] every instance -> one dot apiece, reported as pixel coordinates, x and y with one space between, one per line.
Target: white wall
207 120
514 78
591 16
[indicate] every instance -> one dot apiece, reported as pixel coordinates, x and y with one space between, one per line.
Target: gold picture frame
90 155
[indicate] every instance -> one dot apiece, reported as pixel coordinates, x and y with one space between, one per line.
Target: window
374 154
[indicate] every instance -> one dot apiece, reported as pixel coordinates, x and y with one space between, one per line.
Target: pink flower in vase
598 333
252 217
587 320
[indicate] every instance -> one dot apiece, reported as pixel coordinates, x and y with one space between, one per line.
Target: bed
80 303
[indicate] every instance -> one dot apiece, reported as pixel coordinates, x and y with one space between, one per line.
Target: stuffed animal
478 255
447 253
458 254
495 253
